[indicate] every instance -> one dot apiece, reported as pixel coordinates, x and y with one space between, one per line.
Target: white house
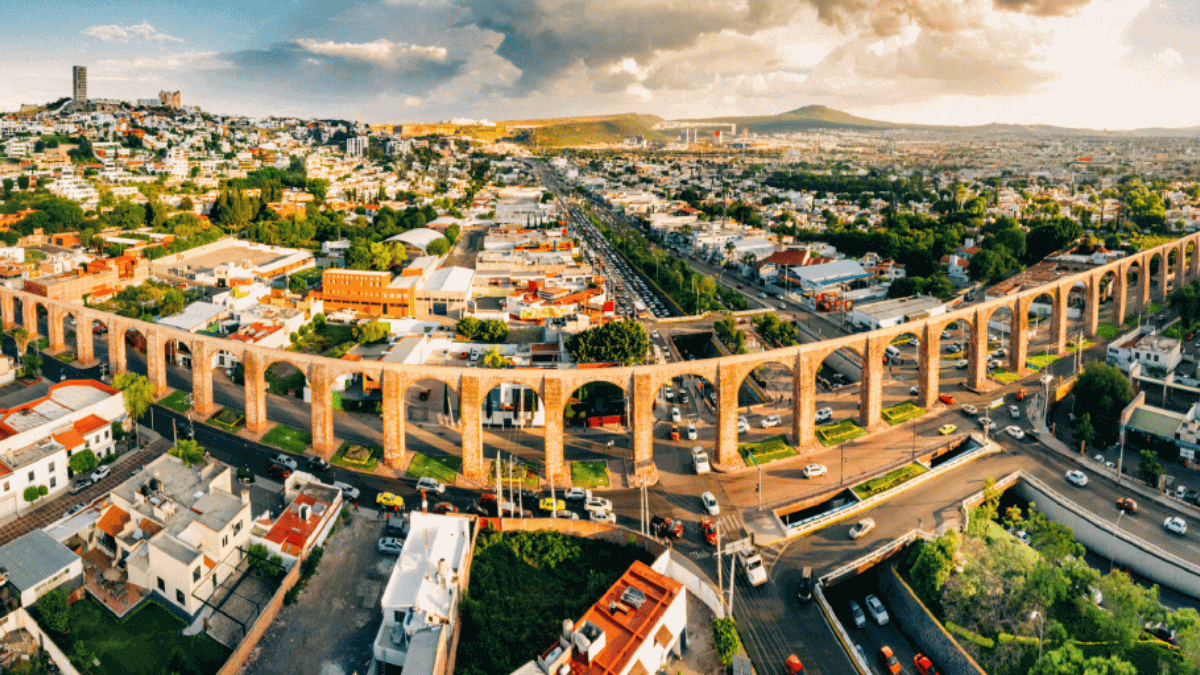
1154 352
510 404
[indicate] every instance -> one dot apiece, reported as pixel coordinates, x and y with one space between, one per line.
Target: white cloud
1169 58
118 33
380 52
412 101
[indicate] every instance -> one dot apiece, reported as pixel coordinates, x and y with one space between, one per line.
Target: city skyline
1115 64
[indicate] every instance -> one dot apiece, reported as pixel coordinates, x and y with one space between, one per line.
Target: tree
53 610
1149 467
438 247
371 332
35 492
725 639
934 562
623 341
33 364
1084 430
494 358
138 394
83 461
259 557
126 215
22 337
986 266
1102 391
189 451
1069 660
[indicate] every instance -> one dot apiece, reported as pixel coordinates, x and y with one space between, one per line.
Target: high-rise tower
79 76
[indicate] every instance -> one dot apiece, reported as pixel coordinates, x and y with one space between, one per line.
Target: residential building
420 601
512 405
79 80
169 99
35 563
633 629
1156 353
311 512
180 530
37 438
357 146
100 278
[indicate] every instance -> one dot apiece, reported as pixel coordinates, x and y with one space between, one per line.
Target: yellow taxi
550 504
389 499
947 429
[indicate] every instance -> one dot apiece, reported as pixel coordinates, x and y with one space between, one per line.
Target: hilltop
564 131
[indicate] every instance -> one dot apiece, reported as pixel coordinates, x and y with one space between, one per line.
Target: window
237 527
224 541
31 477
53 480
7 485
179 597
51 467
162 585
196 574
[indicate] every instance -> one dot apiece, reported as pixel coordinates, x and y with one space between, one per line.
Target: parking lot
332 626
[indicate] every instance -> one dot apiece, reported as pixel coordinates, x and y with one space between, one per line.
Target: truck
640 309
752 565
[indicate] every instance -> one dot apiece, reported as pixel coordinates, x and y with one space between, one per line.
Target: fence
24 620
242 652
681 569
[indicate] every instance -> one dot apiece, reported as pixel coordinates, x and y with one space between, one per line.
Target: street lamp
1041 624
1112 558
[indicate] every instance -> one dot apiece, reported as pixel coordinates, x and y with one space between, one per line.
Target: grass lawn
589 474
767 450
1004 376
1041 359
228 419
149 641
177 401
1131 320
66 357
1087 344
523 584
287 438
888 480
525 474
443 468
902 413
1154 308
1107 331
833 434
358 457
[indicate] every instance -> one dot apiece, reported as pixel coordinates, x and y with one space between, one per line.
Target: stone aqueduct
641 383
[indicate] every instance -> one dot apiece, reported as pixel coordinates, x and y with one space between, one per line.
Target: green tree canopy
623 341
189 451
1102 391
83 461
371 332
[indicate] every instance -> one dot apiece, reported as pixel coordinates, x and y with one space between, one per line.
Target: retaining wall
923 628
673 565
1106 539
24 620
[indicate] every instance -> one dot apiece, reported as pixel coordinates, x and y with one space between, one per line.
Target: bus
640 308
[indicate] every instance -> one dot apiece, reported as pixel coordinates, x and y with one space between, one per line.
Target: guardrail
831 618
825 519
977 498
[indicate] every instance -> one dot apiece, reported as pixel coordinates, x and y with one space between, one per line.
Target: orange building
100 275
367 292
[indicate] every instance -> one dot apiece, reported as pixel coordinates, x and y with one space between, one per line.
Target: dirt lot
329 631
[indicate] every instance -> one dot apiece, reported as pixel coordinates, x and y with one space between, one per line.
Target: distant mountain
567 131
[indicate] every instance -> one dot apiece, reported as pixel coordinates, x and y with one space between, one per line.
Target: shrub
725 639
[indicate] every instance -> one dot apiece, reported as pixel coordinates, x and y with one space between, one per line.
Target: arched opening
1106 287
597 433
1158 271
772 422
836 408
903 359
953 361
691 400
513 417
1133 293
97 332
1189 258
135 351
43 319
1041 349
285 379
18 316
70 335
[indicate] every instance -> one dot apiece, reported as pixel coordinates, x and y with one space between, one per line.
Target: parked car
285 460
431 485
888 660
278 471
577 494
1077 478
74 509
101 473
876 610
771 421
389 546
348 491
444 508
924 666
82 483
1175 525
709 501
862 527
856 613
317 464
824 415
814 470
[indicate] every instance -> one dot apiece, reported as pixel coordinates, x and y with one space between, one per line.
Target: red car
445 507
1127 505
793 665
947 399
710 531
924 666
888 660
278 470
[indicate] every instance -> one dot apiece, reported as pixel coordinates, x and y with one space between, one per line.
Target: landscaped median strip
894 478
833 434
768 450
589 474
902 412
442 467
914 481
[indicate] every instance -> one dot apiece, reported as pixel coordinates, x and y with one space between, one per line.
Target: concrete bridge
1178 263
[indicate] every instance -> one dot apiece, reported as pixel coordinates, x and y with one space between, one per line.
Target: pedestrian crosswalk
729 525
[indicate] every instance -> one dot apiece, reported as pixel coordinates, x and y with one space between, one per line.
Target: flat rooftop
238 252
64 398
890 309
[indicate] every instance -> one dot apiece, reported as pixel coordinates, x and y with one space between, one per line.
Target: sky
1102 64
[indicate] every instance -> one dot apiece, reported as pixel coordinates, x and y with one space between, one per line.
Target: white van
892 352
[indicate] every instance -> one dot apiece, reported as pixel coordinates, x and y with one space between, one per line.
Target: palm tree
494 358
23 338
188 451
138 394
730 247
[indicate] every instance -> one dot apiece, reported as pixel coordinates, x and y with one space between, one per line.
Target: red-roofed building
631 630
308 516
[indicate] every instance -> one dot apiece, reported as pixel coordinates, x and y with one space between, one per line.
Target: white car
710 504
987 423
285 460
668 393
743 425
1015 431
814 470
914 342
862 527
1014 412
962 364
771 421
577 494
945 335
1176 525
103 470
675 416
876 610
597 504
691 431
348 491
601 517
824 415
1077 478
856 612
970 409
914 390
700 460
431 485
1046 379
390 546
